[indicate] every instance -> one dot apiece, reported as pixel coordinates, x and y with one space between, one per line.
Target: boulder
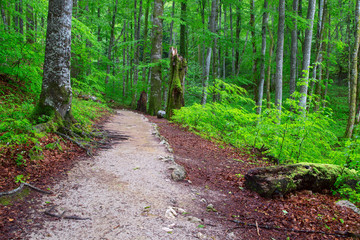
178 173
283 179
161 114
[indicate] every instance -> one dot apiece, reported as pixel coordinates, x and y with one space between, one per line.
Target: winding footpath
127 193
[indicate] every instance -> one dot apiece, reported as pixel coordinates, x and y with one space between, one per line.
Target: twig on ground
22 185
72 217
344 234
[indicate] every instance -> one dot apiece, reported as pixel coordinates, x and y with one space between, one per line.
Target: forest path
125 191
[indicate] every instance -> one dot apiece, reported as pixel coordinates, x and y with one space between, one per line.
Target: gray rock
179 173
194 219
161 114
347 204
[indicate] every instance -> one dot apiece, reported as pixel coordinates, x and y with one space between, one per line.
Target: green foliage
349 187
290 137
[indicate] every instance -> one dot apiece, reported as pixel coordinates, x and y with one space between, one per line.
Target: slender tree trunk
268 72
111 42
262 60
143 53
225 48
279 56
156 53
212 28
253 41
21 21
124 63
354 76
324 93
306 56
56 94
30 24
183 29
3 16
232 42
172 25
237 36
294 49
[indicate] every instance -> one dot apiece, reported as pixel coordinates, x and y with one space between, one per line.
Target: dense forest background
278 76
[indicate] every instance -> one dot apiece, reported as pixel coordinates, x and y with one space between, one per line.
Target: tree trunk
30 38
212 28
124 63
111 42
183 29
262 60
268 72
143 53
232 41
306 56
279 56
56 93
156 53
354 76
253 41
294 49
178 69
237 36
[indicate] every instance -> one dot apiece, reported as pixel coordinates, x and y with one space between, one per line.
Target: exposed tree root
88 150
62 215
345 234
22 185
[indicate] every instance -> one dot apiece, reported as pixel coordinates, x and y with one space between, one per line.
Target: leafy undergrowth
220 169
24 152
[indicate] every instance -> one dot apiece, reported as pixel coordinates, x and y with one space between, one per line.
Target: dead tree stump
178 69
142 102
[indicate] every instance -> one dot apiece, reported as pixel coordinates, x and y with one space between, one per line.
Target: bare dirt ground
127 193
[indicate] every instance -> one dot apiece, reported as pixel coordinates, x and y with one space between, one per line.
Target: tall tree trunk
21 21
183 29
354 76
144 48
56 94
3 15
124 63
111 42
253 41
237 36
324 93
225 48
171 42
232 43
212 28
156 53
30 38
306 56
279 56
262 60
294 49
268 72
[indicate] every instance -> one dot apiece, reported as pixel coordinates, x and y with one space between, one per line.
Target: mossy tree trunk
178 69
56 93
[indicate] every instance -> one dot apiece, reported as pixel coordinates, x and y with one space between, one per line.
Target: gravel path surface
127 193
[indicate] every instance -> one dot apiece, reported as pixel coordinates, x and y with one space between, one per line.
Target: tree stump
142 102
178 69
279 180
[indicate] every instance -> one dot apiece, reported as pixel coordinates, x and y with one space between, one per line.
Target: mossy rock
283 179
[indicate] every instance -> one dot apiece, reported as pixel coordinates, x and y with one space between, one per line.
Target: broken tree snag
280 180
178 69
141 104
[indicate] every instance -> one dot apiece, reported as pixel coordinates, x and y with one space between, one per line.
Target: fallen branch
344 234
62 215
22 185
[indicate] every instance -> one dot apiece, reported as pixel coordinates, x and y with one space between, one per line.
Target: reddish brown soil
217 168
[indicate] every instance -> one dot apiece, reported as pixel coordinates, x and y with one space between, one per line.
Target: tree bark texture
354 76
262 60
178 69
280 56
156 53
56 93
212 28
294 49
306 56
111 42
183 29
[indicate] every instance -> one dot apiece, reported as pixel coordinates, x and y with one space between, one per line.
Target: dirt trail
125 191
